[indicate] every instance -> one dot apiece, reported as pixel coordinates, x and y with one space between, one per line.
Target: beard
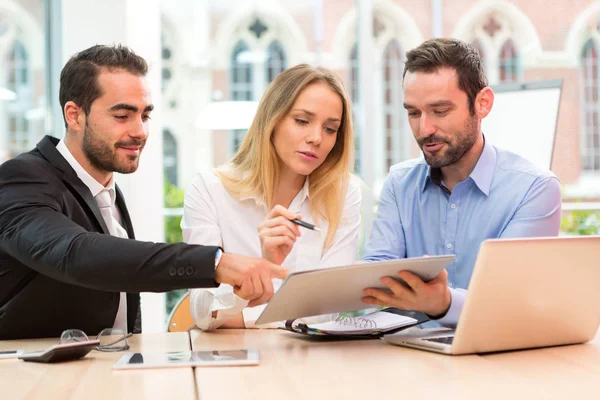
462 142
104 156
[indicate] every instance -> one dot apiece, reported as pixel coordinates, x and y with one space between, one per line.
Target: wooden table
93 377
293 367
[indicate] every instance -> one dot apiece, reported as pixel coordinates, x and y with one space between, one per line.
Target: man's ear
74 116
484 102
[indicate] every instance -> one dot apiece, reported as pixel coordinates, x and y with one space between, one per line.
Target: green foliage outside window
173 199
581 222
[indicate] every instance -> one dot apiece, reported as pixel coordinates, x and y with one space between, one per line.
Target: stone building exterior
216 50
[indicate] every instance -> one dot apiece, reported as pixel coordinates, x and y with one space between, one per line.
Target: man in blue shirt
463 192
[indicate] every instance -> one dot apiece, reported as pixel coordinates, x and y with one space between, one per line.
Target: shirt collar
92 184
304 192
482 174
299 199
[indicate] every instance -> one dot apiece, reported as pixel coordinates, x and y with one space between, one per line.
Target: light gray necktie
106 201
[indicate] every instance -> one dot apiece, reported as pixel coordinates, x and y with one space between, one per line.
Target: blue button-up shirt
505 196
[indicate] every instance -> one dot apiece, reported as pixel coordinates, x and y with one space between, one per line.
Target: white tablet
338 289
212 358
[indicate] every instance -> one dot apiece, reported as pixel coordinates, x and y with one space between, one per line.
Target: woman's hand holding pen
278 234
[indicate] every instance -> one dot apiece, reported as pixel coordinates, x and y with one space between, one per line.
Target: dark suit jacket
60 268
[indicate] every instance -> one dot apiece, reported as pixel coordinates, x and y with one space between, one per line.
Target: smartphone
10 353
188 359
61 352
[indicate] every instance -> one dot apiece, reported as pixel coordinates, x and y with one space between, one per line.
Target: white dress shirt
115 226
212 216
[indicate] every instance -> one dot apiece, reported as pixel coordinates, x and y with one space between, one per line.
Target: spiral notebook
371 325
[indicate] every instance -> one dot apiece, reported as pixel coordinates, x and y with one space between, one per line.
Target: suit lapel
47 147
125 218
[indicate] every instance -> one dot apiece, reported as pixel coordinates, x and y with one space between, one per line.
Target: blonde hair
254 171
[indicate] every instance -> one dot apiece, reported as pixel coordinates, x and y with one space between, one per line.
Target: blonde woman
294 162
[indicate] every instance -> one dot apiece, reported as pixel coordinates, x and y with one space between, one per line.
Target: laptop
332 290
524 293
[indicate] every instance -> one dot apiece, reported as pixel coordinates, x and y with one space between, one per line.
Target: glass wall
213 52
22 77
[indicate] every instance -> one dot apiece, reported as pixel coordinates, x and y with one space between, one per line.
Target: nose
426 126
315 136
141 130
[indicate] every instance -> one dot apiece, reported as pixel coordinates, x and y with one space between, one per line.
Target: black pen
306 225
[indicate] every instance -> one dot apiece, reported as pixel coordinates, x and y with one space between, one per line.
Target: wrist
444 308
218 256
221 271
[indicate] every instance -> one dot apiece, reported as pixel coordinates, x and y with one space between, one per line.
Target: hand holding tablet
339 289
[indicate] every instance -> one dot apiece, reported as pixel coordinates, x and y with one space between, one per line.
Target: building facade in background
215 50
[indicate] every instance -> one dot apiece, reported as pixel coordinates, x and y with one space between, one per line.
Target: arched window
19 80
170 157
354 96
509 63
167 61
258 57
276 61
590 143
498 51
354 74
392 74
477 44
241 83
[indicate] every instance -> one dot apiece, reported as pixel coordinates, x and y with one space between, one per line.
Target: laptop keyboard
444 340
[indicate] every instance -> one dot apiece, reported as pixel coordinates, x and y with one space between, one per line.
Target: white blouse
212 216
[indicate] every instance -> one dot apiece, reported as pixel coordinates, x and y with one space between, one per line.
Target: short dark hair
79 76
434 54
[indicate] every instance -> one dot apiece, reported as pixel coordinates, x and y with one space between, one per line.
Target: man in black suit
67 258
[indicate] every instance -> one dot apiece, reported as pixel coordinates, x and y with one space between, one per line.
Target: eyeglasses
110 339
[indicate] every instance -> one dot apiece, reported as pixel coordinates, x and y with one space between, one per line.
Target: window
479 48
590 142
498 51
509 63
392 74
276 61
242 73
252 70
18 80
170 157
354 73
354 96
167 62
